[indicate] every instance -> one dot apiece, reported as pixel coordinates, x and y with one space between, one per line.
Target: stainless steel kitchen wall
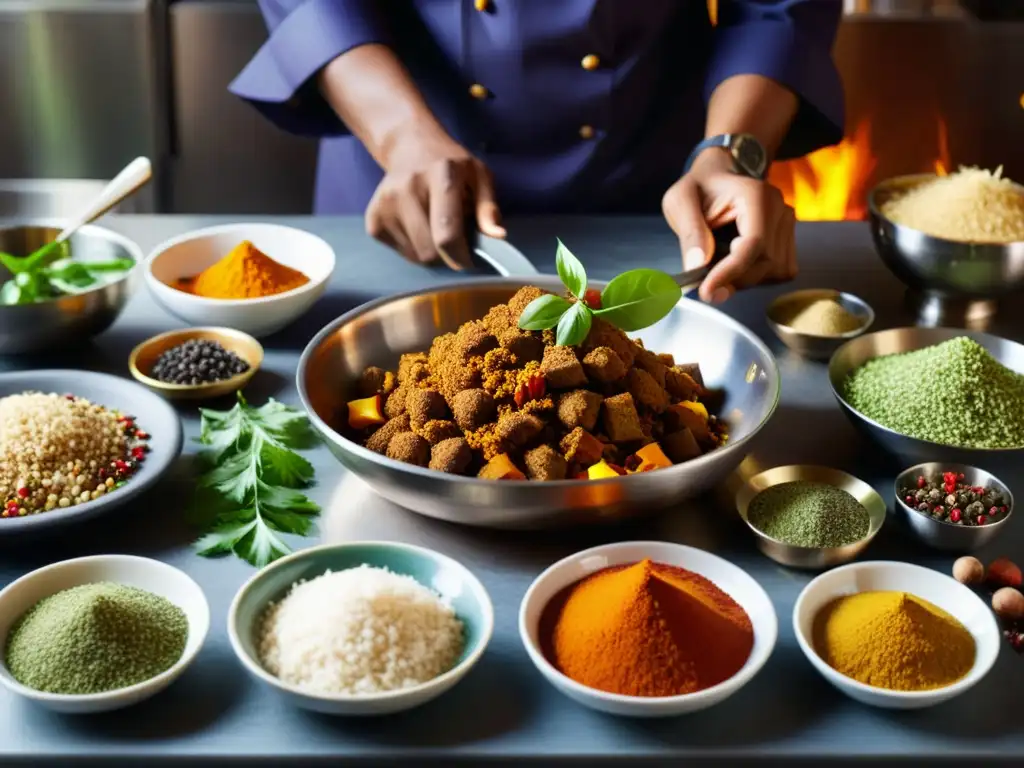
79 98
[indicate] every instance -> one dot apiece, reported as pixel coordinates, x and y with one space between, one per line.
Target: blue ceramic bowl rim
257 669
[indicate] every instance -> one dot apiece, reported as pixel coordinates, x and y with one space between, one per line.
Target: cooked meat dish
498 402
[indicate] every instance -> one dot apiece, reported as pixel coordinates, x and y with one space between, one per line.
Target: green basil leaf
10 293
114 265
46 255
574 325
571 271
543 312
71 272
13 264
638 299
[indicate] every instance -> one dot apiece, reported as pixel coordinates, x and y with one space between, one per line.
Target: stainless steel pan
731 357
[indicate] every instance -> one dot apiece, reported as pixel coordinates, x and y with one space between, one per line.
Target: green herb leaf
638 299
10 294
113 265
249 491
571 271
574 325
69 273
13 264
543 312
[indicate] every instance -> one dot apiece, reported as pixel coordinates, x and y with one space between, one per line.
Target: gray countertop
504 709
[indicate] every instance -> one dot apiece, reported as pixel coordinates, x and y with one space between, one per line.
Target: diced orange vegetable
696 407
366 412
602 470
652 454
501 468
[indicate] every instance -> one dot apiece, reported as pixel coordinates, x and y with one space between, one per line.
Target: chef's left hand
711 195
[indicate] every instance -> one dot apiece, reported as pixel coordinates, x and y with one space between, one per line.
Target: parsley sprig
250 488
634 300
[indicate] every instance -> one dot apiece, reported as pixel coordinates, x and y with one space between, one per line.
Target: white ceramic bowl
937 588
151 575
726 576
438 572
191 253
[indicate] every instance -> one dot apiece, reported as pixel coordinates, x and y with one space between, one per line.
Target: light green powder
954 393
95 638
808 514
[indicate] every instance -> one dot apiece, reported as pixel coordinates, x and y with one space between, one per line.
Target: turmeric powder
893 640
245 273
646 629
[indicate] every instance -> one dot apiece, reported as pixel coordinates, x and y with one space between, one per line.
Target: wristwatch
748 155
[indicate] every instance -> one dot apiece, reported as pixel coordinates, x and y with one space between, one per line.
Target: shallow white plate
944 591
141 572
729 578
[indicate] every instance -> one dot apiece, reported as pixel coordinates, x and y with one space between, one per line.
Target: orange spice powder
245 273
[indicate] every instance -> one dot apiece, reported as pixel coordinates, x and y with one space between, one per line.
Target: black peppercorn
197 361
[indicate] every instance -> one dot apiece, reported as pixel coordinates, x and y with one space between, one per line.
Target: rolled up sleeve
305 35
789 41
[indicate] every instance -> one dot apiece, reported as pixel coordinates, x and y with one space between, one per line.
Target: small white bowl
432 569
734 581
937 588
141 572
191 253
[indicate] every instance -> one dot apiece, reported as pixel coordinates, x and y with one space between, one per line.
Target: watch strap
723 140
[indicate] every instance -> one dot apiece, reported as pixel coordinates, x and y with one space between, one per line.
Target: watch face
750 155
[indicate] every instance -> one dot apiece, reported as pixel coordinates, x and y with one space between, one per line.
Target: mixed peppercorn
197 361
954 501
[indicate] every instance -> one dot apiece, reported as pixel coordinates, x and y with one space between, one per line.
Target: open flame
832 184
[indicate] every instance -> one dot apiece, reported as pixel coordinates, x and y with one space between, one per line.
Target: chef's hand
711 195
420 207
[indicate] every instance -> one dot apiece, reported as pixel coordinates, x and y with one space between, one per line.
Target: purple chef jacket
559 137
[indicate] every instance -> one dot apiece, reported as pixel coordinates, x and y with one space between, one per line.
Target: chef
429 110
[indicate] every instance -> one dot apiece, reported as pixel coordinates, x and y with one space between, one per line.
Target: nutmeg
969 571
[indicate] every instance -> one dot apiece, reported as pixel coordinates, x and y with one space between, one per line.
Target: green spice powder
954 393
95 638
809 514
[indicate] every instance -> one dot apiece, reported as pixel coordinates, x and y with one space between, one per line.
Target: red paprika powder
646 629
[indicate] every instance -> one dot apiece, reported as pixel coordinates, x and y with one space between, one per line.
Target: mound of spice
893 640
948 497
360 631
245 273
197 361
646 629
57 451
822 317
95 638
809 514
953 393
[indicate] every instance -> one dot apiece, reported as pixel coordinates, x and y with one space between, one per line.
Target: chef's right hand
421 205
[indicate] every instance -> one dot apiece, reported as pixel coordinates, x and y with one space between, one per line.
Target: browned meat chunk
681 385
621 421
693 371
562 369
424 405
473 408
523 344
395 404
579 408
582 448
410 448
651 364
645 390
452 455
519 428
376 381
602 364
474 340
544 463
679 417
681 446
438 430
523 297
666 359
499 319
412 367
378 441
604 334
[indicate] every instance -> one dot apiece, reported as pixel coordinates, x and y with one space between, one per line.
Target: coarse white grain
359 631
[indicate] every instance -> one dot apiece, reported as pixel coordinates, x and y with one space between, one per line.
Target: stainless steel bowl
911 450
811 557
33 327
936 266
731 357
812 345
941 534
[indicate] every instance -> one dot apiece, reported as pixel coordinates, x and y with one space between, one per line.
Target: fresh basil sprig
38 279
634 300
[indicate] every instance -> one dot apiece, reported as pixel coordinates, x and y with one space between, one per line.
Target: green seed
808 514
95 638
954 393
